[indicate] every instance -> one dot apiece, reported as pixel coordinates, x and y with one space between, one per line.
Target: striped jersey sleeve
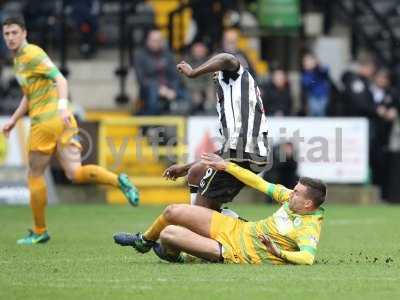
307 239
278 192
41 65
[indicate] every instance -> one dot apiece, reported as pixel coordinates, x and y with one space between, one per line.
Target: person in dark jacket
201 91
358 97
387 98
276 95
360 101
392 187
156 74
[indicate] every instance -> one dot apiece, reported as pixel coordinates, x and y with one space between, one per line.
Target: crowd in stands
365 91
368 92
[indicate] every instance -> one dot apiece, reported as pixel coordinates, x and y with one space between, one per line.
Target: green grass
358 258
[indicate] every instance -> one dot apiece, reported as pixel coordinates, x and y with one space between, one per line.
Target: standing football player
242 124
53 128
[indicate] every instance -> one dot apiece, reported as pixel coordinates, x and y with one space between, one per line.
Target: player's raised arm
276 191
219 62
175 171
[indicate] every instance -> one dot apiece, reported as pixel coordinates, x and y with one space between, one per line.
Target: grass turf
358 258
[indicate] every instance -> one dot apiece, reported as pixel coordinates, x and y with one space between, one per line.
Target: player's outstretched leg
136 241
195 218
99 175
143 242
70 159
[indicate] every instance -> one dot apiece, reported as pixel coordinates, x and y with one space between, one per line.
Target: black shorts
222 187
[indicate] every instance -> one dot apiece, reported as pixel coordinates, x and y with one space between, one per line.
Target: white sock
193 193
229 213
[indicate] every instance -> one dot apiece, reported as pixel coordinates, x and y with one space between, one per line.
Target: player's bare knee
173 212
168 212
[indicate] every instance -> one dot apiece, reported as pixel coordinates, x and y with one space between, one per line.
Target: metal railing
178 31
357 11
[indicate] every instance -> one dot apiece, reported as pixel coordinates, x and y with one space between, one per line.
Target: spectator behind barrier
157 75
315 86
276 95
201 90
385 96
360 102
393 161
357 94
387 99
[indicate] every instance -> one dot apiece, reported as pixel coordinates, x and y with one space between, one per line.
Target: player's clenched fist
185 69
175 171
8 127
66 117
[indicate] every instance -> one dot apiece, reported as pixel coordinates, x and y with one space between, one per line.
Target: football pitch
358 258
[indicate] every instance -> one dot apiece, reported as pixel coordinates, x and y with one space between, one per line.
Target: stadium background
98 46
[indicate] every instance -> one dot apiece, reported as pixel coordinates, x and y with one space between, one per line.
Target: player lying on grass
53 128
290 235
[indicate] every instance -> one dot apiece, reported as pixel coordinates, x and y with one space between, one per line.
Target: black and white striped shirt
243 123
